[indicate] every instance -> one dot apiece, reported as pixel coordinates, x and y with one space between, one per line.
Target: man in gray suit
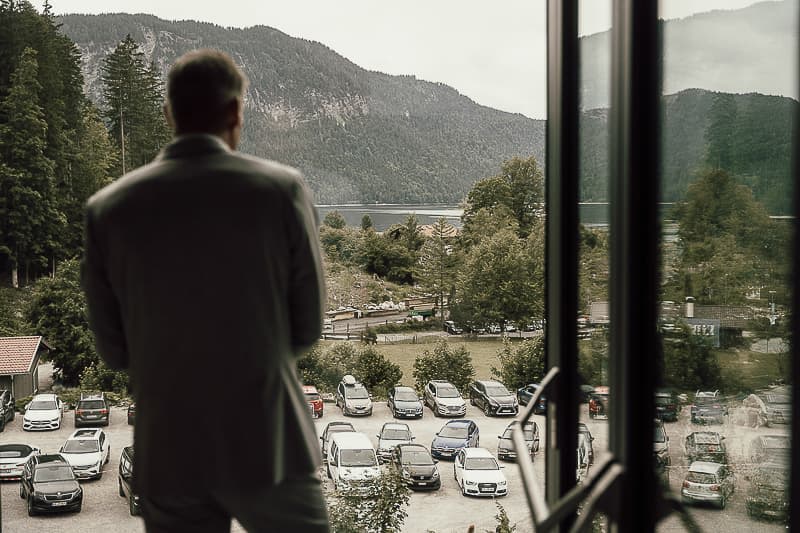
203 278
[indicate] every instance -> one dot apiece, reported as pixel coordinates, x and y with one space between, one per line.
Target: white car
44 411
87 450
392 434
13 458
444 399
478 473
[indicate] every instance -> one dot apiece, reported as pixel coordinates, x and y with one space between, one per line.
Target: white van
352 463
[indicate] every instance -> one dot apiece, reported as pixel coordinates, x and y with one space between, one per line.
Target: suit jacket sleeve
307 289
105 319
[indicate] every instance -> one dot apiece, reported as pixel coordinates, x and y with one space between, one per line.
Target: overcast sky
468 44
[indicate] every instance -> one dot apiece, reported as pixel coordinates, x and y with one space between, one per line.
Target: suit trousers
296 505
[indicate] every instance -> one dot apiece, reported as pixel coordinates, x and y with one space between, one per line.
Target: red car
314 400
598 403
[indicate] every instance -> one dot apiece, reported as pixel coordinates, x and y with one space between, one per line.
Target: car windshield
396 434
527 432
481 463
357 393
497 390
416 457
81 446
659 435
357 458
664 400
454 432
701 477
43 405
312 395
12 451
447 392
53 473
91 404
706 438
705 400
406 396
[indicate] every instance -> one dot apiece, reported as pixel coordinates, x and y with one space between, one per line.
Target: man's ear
234 112
168 116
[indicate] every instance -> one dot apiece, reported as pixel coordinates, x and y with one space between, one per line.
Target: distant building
19 364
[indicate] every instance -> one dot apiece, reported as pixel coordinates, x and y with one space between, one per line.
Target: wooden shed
19 364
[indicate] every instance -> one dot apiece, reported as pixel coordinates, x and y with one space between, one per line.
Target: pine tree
29 218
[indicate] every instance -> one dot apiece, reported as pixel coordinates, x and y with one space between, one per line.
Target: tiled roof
17 354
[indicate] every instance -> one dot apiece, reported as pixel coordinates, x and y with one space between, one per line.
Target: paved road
443 511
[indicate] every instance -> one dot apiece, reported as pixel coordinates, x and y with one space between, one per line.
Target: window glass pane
729 88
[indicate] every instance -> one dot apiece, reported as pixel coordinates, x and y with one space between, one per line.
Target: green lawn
747 371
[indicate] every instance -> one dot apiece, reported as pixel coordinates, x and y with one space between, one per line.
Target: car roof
442 382
462 422
409 445
706 437
309 388
394 425
350 439
404 388
45 396
704 467
86 434
489 382
601 389
477 452
50 458
338 423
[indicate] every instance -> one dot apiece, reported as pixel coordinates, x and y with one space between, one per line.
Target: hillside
359 136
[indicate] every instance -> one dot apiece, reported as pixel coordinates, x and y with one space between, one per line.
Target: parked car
478 473
661 441
315 404
131 414
585 392
13 458
598 403
92 409
708 483
353 397
43 412
525 394
583 429
453 436
7 408
87 450
708 407
505 446
417 466
125 480
403 402
48 485
768 495
706 446
444 399
352 463
778 407
667 407
392 434
450 327
327 434
493 397
765 448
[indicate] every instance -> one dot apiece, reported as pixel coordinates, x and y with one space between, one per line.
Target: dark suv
493 398
6 408
708 407
666 405
125 480
91 409
49 485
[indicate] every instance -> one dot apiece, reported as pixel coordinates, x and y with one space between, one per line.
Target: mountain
746 50
358 136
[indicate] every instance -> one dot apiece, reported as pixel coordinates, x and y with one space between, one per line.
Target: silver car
708 483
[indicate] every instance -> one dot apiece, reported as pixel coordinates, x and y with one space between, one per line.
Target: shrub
521 363
366 363
382 511
443 362
98 376
503 523
376 372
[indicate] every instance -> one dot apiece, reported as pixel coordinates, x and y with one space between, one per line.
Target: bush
503 523
98 376
689 363
382 511
410 325
522 363
453 365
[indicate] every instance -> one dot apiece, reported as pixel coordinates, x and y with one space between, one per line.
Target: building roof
18 354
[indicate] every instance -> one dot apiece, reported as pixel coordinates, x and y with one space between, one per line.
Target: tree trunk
15 277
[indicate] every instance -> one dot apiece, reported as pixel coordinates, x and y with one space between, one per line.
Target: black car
125 480
131 414
666 405
525 394
7 408
768 494
450 327
417 467
404 402
493 397
91 409
505 446
708 407
49 485
706 446
331 429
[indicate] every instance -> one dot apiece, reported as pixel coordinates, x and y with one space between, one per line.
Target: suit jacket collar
193 145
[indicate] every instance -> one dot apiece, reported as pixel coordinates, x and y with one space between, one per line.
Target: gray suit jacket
203 278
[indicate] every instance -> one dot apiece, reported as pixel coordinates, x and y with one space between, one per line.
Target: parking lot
445 510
